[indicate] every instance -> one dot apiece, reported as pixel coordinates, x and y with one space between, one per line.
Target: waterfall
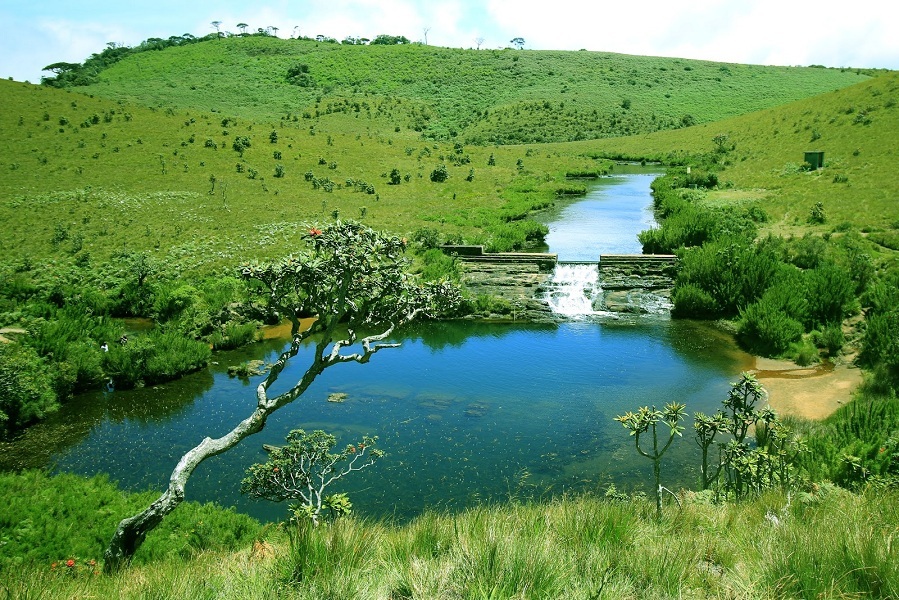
573 288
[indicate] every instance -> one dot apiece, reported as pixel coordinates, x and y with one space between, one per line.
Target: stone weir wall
636 283
637 271
522 278
518 277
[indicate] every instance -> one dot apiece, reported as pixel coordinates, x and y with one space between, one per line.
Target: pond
467 412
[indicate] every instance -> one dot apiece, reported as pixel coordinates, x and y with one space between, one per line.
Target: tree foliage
350 278
304 468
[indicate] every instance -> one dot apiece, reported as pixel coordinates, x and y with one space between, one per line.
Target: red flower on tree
70 563
314 232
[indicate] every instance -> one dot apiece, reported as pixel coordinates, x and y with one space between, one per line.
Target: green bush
154 358
803 352
515 235
438 265
856 445
27 387
831 294
47 519
234 335
691 301
880 344
764 328
171 300
733 271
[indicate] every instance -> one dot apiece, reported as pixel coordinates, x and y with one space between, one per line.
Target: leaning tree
354 282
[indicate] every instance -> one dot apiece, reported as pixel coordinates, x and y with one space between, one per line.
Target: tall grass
582 547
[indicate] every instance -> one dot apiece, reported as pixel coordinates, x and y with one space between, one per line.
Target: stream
467 412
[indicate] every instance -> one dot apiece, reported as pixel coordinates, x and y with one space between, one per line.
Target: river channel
467 412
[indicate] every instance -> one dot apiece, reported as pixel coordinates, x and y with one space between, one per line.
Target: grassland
501 96
145 159
133 171
856 128
574 548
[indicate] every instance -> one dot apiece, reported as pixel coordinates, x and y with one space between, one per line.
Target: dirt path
810 392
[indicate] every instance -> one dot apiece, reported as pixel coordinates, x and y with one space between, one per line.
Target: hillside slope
478 96
857 128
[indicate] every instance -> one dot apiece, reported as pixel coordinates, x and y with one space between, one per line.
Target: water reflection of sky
606 221
513 409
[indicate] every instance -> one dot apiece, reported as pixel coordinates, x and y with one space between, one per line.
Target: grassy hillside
475 96
856 128
89 175
70 157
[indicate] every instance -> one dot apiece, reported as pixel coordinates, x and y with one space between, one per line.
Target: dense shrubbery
515 235
47 519
858 445
27 386
68 312
685 222
777 290
880 345
154 358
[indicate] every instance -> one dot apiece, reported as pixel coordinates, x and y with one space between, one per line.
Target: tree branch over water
350 278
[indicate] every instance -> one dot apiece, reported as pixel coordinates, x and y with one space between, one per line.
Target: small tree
304 468
518 42
647 420
439 175
240 144
350 277
395 177
217 25
243 28
720 140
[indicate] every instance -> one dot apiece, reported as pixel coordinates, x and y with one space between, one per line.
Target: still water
467 412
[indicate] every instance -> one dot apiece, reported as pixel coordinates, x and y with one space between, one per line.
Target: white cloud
785 32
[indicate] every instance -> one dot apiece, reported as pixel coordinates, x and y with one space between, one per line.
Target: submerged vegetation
136 182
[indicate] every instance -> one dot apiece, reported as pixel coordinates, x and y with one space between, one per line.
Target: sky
38 33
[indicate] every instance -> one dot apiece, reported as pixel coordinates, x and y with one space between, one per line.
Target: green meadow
138 194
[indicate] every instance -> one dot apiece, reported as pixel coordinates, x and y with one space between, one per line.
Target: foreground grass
824 544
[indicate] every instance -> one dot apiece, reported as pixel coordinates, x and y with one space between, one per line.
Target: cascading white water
573 289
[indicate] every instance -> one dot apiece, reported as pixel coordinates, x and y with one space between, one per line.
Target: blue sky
779 32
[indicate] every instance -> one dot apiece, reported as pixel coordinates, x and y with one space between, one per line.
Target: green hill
856 128
475 96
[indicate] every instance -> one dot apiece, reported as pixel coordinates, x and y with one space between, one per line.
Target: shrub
506 237
170 301
234 335
438 265
765 329
427 237
817 215
804 352
154 358
27 385
439 175
733 271
692 301
831 294
48 518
